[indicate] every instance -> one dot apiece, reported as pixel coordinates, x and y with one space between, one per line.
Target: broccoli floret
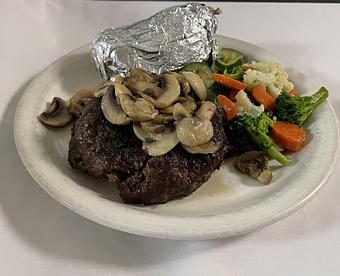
297 109
249 133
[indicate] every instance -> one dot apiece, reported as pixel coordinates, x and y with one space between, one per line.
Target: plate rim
155 229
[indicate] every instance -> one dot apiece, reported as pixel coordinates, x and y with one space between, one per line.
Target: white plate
228 204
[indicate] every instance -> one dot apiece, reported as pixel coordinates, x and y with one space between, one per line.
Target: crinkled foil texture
166 41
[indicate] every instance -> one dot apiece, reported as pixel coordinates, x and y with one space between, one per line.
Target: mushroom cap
207 110
196 84
139 86
255 164
156 144
79 100
102 89
121 89
209 147
188 103
162 146
180 112
112 110
163 118
56 114
152 127
138 74
184 84
164 95
193 131
138 109
158 124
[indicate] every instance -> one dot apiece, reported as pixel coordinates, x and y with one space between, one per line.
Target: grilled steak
101 149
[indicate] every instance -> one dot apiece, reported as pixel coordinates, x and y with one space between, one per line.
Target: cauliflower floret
269 74
245 106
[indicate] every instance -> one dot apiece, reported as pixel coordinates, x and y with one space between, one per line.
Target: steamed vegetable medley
264 115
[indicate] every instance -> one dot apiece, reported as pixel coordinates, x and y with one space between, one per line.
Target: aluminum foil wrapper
163 42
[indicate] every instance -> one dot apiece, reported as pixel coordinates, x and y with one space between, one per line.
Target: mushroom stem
207 110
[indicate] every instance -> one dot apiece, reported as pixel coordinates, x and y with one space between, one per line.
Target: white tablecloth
40 237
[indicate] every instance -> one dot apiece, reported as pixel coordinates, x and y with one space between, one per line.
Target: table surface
40 237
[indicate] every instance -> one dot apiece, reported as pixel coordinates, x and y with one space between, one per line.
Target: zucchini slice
228 58
201 69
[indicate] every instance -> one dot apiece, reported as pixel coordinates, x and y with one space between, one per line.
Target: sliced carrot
262 97
232 95
229 82
246 67
228 106
293 92
290 136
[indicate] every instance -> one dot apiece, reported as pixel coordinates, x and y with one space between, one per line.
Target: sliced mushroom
80 99
184 84
138 109
180 112
140 133
188 103
152 127
112 110
193 131
255 164
162 146
164 95
209 147
139 86
163 118
159 144
158 124
121 89
138 74
119 79
102 89
207 110
56 114
141 80
196 84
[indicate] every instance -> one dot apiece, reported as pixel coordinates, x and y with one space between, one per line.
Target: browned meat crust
101 149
